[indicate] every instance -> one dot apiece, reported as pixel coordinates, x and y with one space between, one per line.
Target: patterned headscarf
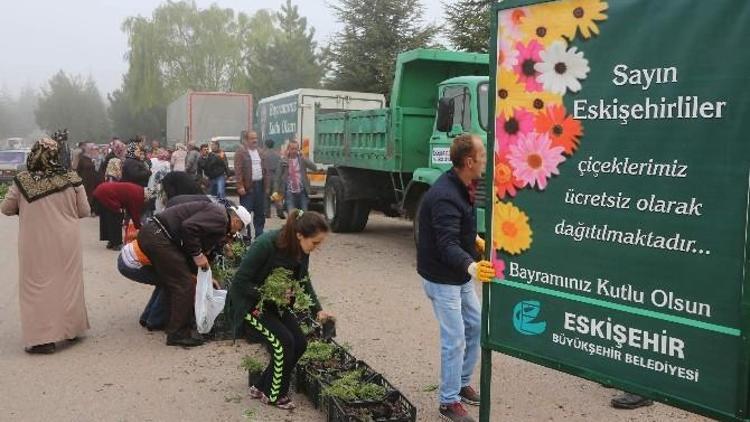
133 151
43 159
44 175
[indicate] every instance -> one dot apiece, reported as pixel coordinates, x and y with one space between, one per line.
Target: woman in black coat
134 168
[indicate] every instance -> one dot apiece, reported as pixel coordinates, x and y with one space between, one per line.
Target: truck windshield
484 105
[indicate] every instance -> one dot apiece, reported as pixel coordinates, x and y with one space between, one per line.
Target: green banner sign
621 177
278 119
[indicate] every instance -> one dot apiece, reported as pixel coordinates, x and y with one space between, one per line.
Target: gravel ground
121 372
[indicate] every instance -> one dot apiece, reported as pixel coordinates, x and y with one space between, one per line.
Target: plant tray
394 408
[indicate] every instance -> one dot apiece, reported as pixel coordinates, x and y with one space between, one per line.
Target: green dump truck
386 159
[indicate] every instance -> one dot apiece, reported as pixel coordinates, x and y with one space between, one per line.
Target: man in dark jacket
447 254
175 242
271 161
251 179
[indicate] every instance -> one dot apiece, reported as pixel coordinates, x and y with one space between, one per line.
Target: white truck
291 115
201 116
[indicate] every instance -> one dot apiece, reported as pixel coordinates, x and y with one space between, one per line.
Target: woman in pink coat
49 201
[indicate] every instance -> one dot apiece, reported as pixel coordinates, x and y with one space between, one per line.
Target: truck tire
360 216
339 213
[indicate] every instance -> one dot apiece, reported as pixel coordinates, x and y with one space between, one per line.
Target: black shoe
41 349
630 401
175 340
281 215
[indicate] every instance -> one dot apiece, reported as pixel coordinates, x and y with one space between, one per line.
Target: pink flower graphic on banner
499 265
510 22
507 54
528 57
535 159
509 128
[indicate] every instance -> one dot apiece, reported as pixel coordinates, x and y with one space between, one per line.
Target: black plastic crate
395 408
310 381
309 385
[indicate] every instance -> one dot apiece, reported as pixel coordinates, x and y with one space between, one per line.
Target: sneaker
630 401
455 412
189 341
283 402
469 396
255 393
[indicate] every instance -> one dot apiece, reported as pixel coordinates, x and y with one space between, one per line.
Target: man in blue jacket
448 258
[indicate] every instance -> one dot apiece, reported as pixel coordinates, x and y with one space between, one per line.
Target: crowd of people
181 221
167 215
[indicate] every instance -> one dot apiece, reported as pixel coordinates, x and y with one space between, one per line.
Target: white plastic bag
208 302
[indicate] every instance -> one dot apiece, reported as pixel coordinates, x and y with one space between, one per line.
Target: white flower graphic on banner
561 68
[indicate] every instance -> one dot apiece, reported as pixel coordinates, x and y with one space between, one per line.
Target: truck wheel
338 212
360 217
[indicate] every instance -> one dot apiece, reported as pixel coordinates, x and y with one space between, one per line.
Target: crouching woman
288 248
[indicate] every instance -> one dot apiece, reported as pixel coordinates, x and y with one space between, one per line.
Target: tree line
181 47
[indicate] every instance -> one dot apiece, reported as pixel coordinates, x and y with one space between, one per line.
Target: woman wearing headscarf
49 200
87 170
179 157
134 168
113 162
160 167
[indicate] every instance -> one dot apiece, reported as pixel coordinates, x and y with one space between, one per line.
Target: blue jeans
459 314
298 201
255 202
219 186
155 313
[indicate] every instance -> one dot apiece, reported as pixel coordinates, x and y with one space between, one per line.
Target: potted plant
254 369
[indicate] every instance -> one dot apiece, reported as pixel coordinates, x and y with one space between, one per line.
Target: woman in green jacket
287 248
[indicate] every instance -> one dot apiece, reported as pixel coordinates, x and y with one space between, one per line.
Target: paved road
121 372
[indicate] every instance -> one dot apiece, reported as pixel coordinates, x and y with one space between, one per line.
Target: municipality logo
524 316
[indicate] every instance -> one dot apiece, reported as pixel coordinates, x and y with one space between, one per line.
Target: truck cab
463 106
386 159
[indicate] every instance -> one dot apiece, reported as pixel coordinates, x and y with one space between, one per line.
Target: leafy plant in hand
284 291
